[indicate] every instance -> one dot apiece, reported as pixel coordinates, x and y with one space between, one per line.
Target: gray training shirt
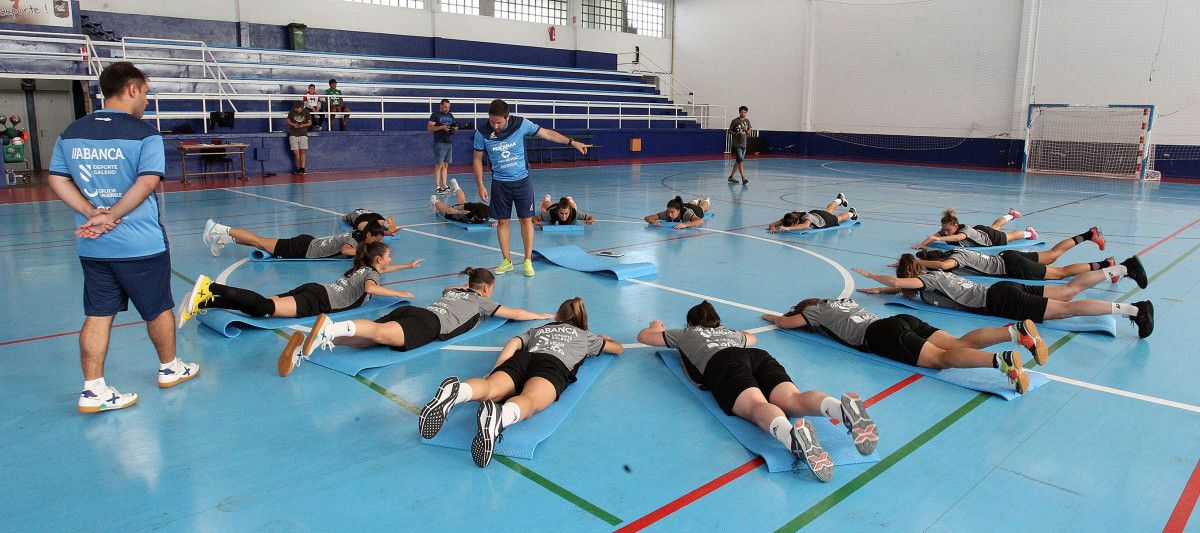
698 345
353 215
549 217
843 320
816 221
944 289
329 246
564 342
351 291
459 306
974 237
972 262
685 215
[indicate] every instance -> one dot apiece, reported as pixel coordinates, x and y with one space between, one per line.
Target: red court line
1187 503
1169 237
76 332
724 479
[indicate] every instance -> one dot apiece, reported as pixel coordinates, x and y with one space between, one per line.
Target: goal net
1109 140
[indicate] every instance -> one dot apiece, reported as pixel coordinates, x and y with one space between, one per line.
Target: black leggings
249 302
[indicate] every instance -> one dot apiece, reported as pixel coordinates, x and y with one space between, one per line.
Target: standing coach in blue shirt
503 139
106 166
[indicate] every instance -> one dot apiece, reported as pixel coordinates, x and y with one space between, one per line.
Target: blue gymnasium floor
240 448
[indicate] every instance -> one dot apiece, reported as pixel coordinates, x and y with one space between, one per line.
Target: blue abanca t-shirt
506 148
104 153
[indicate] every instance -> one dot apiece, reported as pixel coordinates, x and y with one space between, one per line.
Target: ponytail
365 255
800 307
929 254
676 202
950 216
373 228
703 314
908 267
478 278
572 312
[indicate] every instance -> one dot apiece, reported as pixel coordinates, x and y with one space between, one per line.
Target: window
541 11
606 15
462 7
415 4
647 17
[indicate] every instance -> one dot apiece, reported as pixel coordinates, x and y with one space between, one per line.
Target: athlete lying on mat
689 215
354 288
816 218
462 210
458 311
1016 301
561 213
304 246
533 370
747 382
1015 264
952 232
909 340
360 218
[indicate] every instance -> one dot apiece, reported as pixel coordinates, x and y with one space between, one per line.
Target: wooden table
213 149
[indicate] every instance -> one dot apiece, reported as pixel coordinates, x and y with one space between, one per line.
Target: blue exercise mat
987 380
833 438
351 361
667 224
562 228
984 280
486 226
1020 244
1106 324
231 323
522 438
843 225
261 256
575 258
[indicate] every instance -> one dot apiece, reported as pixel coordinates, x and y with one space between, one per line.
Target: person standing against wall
298 121
335 104
740 129
441 123
106 166
502 138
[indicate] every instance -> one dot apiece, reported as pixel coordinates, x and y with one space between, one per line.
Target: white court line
1119 392
224 275
702 296
335 213
451 239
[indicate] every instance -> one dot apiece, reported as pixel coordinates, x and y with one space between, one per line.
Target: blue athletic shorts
443 153
504 194
109 285
740 153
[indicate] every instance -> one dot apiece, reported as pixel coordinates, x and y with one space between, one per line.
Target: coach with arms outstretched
503 138
106 166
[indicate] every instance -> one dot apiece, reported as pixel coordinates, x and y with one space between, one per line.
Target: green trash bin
296 35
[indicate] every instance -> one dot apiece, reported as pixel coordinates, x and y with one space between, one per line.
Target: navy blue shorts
108 286
504 194
443 153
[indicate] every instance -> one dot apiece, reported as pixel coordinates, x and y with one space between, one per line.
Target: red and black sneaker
1029 338
1097 237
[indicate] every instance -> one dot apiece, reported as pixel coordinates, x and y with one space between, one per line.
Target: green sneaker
505 266
732 179
529 268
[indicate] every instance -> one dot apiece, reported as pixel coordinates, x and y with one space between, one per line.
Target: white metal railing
81 48
592 110
208 62
638 64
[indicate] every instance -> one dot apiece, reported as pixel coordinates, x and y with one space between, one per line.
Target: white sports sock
781 428
1115 271
221 229
1124 309
174 364
840 201
831 407
509 414
95 384
343 329
464 393
453 185
1008 218
1014 333
1028 235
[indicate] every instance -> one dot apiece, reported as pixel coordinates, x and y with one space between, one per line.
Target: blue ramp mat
987 380
1021 244
522 438
231 324
487 226
259 255
575 258
799 232
562 228
666 224
350 361
1106 324
833 438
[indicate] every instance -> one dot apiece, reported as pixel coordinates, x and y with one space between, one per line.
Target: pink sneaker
1014 213
1031 232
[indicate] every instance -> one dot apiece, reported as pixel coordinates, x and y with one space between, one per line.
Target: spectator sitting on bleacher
335 104
298 121
312 102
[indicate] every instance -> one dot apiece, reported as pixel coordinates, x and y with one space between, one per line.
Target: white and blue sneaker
806 448
433 202
289 358
177 373
106 399
490 430
214 239
433 415
320 336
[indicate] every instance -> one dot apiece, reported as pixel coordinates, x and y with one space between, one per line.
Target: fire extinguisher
552 33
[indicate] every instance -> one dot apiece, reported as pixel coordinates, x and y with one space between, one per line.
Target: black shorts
899 338
524 365
311 299
465 219
109 285
367 217
293 248
733 370
831 220
699 211
421 326
1016 301
1022 265
998 238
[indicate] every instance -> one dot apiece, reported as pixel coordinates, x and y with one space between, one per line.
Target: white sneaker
453 185
210 232
433 201
106 399
547 199
170 377
319 337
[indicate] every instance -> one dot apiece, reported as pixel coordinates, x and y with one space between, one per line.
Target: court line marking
1119 392
1185 505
